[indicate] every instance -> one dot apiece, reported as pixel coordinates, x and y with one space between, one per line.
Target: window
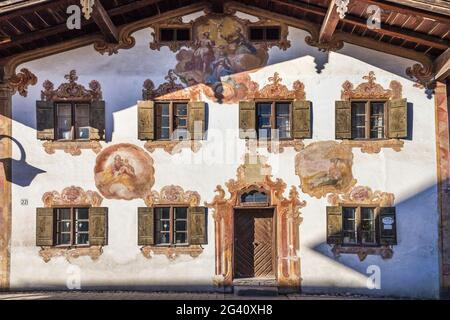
254 197
274 120
72 226
171 120
368 119
359 225
171 225
174 34
72 121
269 33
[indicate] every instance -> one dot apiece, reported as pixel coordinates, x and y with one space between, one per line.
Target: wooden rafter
329 23
104 22
442 65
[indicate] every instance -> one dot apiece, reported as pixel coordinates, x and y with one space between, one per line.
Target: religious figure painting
221 49
325 167
124 171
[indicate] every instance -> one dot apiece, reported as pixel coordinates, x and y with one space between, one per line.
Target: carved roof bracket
19 82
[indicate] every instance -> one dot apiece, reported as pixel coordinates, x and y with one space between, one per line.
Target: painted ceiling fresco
124 171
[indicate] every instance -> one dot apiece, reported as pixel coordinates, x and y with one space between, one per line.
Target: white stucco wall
410 174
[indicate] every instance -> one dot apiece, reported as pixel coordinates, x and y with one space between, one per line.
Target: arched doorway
264 200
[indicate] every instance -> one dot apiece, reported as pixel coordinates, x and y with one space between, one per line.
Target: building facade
209 149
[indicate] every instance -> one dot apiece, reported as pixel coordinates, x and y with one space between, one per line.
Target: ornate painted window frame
71 196
170 91
172 195
287 214
274 90
371 90
71 91
362 195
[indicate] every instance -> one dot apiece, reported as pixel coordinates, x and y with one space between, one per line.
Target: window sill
70 252
173 146
171 252
386 252
73 147
276 146
374 145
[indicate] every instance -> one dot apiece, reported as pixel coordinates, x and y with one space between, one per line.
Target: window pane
63 214
349 225
162 213
180 225
162 121
82 121
264 111
368 225
167 34
64 226
256 34
82 213
273 33
180 238
377 120
180 213
183 35
83 226
82 238
181 109
162 225
358 120
64 122
64 239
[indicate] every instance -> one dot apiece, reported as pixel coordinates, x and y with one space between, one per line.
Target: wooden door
253 243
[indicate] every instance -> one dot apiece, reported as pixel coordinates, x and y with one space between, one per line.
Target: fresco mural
325 167
218 59
124 171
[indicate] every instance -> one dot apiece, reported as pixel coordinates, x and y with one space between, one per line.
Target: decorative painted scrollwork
276 90
72 196
47 253
19 82
72 147
371 90
71 90
173 194
169 90
172 147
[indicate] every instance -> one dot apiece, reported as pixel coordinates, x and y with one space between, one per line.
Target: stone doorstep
255 287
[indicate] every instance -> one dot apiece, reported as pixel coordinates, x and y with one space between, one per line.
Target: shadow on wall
24 173
414 265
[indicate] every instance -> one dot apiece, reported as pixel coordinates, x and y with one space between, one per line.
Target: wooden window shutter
301 119
343 120
45 120
196 114
145 226
197 225
98 226
397 118
146 120
44 227
97 120
247 119
388 226
334 225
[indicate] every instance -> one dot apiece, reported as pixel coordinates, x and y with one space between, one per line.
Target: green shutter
334 225
388 226
146 120
45 120
301 119
97 120
145 226
44 227
98 226
343 120
196 115
197 225
247 119
397 118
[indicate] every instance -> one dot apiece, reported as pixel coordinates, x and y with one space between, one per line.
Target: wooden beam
329 23
385 29
131 7
408 10
104 22
442 66
35 6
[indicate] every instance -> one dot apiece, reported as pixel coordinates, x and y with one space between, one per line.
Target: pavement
140 295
